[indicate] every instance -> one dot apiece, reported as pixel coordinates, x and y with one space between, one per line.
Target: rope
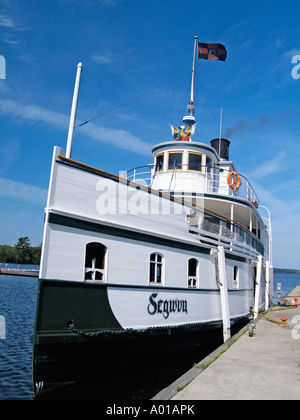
268 318
133 330
126 103
212 114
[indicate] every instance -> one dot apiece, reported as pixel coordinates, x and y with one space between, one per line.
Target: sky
137 62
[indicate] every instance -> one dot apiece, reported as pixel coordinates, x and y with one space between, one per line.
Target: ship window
193 273
235 277
159 166
175 161
156 268
95 261
195 162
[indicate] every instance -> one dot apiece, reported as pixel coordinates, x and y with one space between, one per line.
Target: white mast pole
73 112
193 72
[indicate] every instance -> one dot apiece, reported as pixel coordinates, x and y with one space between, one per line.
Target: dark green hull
77 336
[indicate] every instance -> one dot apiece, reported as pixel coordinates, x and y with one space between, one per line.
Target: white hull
132 224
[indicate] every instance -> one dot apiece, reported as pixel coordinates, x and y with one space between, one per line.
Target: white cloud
7 22
290 54
23 192
119 138
103 59
33 113
270 167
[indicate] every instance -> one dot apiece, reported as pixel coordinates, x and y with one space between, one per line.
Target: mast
73 112
190 119
193 72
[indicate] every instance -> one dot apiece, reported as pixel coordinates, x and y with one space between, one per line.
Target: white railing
141 175
208 228
215 181
213 230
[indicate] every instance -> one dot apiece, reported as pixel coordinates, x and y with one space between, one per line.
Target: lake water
17 306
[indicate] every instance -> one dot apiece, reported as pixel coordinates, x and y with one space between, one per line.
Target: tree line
21 253
286 270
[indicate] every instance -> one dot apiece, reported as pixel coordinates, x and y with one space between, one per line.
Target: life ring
233 180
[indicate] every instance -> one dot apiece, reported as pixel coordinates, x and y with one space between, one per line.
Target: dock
19 272
264 366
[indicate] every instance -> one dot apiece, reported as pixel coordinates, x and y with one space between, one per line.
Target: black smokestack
222 147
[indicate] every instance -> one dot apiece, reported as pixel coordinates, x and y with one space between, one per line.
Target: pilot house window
159 163
175 161
195 162
95 261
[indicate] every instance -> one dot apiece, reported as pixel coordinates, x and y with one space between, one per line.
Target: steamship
147 263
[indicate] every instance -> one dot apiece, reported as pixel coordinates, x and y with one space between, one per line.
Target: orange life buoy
233 180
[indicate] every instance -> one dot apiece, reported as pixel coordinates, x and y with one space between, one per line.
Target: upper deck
205 176
190 169
193 169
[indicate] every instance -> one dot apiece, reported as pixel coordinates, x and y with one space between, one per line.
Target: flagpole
193 74
190 119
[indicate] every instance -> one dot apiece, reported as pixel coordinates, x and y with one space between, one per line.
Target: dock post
267 287
257 285
224 294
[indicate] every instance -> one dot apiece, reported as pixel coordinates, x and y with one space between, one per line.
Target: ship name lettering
165 307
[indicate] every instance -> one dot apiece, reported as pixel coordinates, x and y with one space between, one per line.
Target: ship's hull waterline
78 337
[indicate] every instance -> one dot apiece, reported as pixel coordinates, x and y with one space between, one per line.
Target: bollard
283 321
251 329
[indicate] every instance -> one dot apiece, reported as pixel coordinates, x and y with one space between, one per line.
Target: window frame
188 162
156 264
236 277
176 168
94 269
163 162
196 277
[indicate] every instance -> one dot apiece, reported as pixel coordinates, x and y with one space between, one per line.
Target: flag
212 51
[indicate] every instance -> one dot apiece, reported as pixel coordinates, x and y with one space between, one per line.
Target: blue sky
138 54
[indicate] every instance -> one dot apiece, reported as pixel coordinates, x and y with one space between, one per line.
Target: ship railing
213 179
213 230
140 175
216 182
